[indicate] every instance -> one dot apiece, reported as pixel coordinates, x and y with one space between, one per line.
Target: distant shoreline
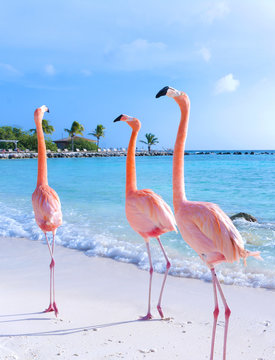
83 154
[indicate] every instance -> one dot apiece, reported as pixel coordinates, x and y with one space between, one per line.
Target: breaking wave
118 242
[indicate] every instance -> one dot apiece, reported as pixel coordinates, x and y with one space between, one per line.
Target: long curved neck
42 157
131 180
178 159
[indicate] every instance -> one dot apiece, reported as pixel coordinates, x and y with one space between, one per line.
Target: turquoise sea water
92 196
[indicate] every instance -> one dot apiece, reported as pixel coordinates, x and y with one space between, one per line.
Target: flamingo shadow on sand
63 332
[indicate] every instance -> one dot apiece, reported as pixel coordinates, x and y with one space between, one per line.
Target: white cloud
227 84
205 53
86 72
216 11
139 54
50 69
9 69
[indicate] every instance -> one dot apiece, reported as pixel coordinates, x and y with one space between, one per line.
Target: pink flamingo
204 226
146 211
45 201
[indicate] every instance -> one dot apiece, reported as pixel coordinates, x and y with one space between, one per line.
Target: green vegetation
47 128
75 129
150 141
27 140
82 144
98 133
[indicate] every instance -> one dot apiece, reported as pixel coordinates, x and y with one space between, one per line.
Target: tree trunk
149 149
97 143
72 143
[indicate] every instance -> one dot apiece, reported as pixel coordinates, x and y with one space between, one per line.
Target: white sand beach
99 302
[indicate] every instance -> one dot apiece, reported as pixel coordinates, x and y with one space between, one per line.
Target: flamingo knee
227 312
52 264
216 312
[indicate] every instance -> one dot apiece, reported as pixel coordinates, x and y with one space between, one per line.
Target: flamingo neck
131 180
42 157
178 158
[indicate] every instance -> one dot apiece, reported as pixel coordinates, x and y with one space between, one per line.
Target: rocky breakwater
78 154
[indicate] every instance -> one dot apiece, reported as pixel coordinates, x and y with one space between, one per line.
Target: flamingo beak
162 92
118 118
48 110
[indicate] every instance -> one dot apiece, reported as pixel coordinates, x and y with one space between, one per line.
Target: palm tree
47 128
76 128
98 133
150 140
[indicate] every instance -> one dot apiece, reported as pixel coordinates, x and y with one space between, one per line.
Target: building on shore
64 143
10 141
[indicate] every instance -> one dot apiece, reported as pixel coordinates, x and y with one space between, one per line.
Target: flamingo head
131 121
44 108
179 96
39 112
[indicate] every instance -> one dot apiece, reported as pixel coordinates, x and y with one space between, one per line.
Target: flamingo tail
246 253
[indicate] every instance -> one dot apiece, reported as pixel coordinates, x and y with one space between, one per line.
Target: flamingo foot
146 317
55 309
160 311
49 309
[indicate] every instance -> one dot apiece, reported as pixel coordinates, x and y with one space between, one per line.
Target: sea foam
15 222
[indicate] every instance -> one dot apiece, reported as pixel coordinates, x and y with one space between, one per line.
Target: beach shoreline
100 300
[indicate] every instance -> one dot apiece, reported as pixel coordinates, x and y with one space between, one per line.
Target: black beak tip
118 118
162 92
48 110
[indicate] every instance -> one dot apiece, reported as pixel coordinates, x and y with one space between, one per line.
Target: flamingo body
148 214
47 208
210 232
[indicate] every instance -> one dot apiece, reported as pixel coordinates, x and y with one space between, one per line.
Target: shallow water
92 196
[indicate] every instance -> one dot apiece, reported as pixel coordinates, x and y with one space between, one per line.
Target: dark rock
245 216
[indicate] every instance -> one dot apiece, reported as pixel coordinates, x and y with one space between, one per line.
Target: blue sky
91 61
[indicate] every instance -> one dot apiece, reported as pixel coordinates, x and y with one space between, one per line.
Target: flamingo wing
149 214
203 245
210 232
47 208
218 227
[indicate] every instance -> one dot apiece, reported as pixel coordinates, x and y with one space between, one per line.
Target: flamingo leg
215 313
50 308
227 314
168 265
53 287
149 315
